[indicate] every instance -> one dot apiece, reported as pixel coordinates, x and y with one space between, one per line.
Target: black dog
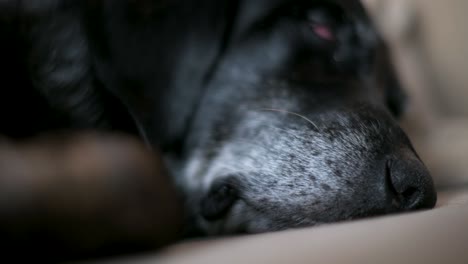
270 114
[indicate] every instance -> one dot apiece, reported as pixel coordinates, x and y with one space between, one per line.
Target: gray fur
293 171
298 126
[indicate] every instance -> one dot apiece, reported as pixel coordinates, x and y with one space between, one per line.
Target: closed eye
322 18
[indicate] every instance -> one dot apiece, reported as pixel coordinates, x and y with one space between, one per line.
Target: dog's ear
393 91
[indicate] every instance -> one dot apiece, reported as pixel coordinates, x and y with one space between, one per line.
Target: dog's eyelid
323 19
324 32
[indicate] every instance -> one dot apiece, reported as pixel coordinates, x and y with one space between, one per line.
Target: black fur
271 114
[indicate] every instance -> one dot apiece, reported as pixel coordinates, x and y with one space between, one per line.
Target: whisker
291 113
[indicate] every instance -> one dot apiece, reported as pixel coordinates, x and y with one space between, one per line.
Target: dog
270 115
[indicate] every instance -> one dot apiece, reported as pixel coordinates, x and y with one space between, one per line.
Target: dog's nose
409 183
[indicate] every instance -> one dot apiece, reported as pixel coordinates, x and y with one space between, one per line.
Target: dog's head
285 110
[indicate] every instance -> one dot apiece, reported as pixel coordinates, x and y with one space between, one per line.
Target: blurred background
429 44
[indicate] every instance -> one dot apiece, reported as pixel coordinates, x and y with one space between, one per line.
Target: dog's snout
387 175
409 184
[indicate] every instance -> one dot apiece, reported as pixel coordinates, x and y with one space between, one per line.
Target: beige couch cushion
435 236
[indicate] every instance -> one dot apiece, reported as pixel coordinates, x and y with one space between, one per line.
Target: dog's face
287 114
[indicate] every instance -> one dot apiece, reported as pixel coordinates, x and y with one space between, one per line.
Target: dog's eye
322 20
323 31
321 25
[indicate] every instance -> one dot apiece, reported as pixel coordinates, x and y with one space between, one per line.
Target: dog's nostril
410 185
410 194
219 200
